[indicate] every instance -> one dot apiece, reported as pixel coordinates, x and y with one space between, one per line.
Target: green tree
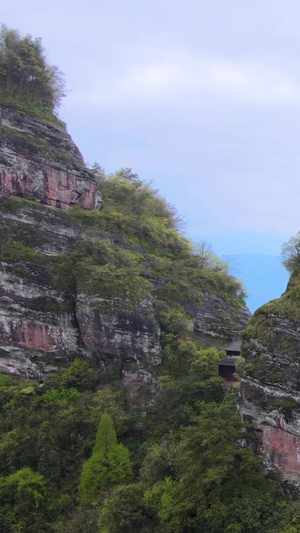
25 73
23 502
217 486
125 511
205 363
108 465
80 375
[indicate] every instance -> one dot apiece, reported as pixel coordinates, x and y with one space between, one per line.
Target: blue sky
201 97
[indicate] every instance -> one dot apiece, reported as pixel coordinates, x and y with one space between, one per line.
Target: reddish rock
40 162
281 448
269 393
33 335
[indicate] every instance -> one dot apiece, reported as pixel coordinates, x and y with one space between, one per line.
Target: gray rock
270 388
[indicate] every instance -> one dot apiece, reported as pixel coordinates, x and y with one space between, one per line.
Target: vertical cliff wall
94 284
270 387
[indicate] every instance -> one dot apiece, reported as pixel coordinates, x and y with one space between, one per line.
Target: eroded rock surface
215 322
40 162
270 387
44 323
42 326
49 312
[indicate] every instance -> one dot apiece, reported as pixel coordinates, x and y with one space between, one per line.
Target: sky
200 97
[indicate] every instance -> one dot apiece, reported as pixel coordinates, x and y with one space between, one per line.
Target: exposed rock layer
40 162
270 387
46 319
41 326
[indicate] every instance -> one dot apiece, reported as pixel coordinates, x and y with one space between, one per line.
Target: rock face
42 326
216 322
48 315
270 387
41 163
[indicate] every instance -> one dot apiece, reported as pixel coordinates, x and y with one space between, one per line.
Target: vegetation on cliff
27 81
146 231
271 337
77 451
291 253
127 253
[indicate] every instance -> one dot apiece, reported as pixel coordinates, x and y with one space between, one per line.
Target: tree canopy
25 73
291 253
108 465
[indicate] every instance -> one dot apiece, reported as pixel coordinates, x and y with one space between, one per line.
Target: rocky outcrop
43 326
270 386
50 312
129 342
40 162
45 321
216 322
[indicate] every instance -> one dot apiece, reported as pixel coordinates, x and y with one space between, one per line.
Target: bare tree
290 252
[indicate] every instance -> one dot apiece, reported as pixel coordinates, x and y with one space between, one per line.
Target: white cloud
191 77
251 81
153 79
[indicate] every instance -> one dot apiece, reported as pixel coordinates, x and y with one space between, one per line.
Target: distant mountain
263 276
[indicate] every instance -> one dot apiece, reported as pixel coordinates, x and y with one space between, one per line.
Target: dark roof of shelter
229 360
234 346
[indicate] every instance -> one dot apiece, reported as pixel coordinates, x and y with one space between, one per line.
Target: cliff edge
40 162
270 386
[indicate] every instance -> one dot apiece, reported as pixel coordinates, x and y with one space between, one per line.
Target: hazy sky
202 97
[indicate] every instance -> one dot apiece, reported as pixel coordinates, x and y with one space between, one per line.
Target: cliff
269 396
110 286
40 162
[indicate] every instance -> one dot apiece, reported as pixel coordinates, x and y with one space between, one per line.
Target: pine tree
108 465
